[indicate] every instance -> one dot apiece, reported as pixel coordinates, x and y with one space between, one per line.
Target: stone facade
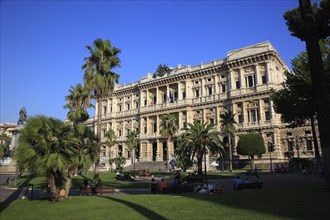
241 82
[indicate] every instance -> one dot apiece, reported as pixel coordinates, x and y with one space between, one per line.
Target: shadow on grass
303 200
140 209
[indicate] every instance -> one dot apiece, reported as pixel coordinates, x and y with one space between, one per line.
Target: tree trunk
316 144
319 82
53 188
200 164
98 134
230 152
68 181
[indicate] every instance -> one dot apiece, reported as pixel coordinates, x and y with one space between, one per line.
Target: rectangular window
183 95
119 108
210 90
119 133
238 85
136 104
211 121
264 79
197 93
128 106
105 110
308 132
223 88
267 115
288 133
145 129
253 115
155 100
309 145
290 146
240 119
175 95
164 98
250 81
155 127
145 102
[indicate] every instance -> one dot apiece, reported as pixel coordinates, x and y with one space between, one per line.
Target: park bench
101 190
241 186
193 179
97 190
181 189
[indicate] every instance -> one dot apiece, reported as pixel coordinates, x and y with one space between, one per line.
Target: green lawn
108 179
302 203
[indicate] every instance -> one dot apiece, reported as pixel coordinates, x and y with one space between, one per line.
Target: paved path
270 182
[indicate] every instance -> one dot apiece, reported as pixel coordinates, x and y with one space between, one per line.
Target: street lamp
270 150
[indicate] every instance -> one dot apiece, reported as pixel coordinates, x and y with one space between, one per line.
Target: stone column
257 74
215 78
268 73
159 151
157 95
179 91
242 78
179 120
231 80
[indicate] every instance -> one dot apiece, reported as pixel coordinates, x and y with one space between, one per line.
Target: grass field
108 179
300 203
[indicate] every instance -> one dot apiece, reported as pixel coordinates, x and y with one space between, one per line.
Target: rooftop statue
22 116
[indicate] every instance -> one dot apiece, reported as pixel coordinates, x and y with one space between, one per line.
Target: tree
308 29
78 101
250 145
99 77
110 142
119 162
294 101
162 69
5 141
131 142
196 140
227 120
45 149
168 127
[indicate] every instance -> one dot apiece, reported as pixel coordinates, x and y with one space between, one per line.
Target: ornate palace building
241 82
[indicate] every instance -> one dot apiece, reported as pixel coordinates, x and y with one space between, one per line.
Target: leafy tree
110 142
184 162
162 69
78 101
227 120
250 145
196 140
131 142
168 127
295 101
119 162
309 30
45 149
99 77
5 141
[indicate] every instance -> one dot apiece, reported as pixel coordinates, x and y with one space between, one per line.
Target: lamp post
270 149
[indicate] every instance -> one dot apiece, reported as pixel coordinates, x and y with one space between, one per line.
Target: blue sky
43 42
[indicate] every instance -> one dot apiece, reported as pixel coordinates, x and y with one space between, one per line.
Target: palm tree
78 101
131 142
99 77
45 149
168 127
111 141
227 121
196 140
